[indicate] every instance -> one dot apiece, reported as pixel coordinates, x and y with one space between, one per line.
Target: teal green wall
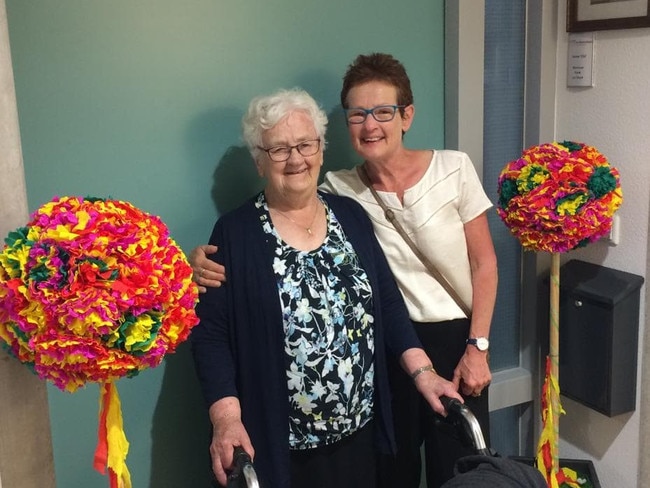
141 100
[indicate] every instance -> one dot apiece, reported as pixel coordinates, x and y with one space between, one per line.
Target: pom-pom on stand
92 290
554 198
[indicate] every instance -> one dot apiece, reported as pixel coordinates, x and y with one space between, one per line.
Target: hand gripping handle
243 474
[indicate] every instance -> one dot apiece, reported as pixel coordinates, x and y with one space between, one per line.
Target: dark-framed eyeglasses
381 113
280 154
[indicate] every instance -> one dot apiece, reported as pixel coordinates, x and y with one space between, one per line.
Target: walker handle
243 474
462 413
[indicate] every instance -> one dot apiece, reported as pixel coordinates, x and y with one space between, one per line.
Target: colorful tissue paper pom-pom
558 196
93 290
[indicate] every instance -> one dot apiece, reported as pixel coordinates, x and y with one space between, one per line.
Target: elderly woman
291 351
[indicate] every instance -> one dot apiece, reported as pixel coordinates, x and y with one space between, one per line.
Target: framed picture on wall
592 15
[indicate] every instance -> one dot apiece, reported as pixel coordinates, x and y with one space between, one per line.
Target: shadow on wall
181 430
324 86
234 180
338 153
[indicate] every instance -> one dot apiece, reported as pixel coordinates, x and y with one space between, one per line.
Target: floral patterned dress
326 301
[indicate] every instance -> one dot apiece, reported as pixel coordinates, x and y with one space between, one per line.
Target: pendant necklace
308 229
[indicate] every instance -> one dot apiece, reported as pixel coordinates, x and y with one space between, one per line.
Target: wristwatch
481 343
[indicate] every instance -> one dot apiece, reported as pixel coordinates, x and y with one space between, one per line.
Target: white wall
613 116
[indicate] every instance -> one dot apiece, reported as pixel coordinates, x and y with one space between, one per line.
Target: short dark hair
377 67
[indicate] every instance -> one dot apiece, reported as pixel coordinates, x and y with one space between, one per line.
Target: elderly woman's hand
228 432
432 387
207 273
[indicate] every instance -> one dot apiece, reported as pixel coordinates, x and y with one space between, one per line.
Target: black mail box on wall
599 325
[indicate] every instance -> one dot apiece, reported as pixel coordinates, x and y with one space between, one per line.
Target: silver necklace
308 229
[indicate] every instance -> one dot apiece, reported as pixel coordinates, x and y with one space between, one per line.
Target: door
490 48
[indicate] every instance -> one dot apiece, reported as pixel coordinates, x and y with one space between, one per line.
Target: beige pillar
25 441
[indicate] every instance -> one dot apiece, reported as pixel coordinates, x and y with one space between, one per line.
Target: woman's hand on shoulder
206 273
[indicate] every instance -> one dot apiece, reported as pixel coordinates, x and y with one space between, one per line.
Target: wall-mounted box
599 325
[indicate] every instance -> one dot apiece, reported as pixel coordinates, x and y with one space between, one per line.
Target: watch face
481 343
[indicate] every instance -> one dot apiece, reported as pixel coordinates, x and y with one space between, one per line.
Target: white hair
264 112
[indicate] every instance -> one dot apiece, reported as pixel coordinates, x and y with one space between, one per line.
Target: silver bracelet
421 370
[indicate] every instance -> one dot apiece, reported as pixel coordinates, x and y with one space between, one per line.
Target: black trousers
349 463
416 423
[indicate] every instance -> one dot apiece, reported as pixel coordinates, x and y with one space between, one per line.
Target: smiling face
372 140
298 175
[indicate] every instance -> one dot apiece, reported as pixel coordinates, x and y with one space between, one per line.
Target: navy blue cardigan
238 347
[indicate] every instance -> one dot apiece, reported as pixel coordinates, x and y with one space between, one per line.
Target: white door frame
464 67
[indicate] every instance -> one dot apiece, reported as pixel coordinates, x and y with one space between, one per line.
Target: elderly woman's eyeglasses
280 154
381 113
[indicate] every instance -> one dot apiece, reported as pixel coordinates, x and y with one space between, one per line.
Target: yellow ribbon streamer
117 445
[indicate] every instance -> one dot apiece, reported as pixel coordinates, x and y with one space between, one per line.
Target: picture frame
593 15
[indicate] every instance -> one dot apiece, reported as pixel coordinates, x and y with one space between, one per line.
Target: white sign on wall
581 59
